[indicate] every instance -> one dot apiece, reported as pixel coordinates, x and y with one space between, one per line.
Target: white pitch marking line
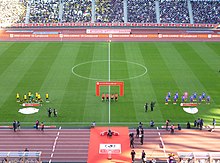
109 79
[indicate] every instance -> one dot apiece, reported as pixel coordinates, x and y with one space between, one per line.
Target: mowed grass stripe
74 100
47 67
209 54
181 72
200 68
184 77
56 82
8 56
35 76
4 46
214 46
160 77
12 81
95 109
141 88
119 110
204 74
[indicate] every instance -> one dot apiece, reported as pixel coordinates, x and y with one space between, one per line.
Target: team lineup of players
184 98
29 97
113 97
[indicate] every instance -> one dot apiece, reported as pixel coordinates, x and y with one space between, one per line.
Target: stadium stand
77 11
174 12
117 11
111 11
17 11
103 11
142 11
44 11
206 11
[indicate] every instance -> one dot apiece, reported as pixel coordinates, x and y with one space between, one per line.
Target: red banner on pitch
108 83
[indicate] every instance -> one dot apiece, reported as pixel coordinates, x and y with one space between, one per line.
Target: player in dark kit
142 139
42 126
146 107
133 155
14 124
152 104
49 110
37 124
143 155
54 113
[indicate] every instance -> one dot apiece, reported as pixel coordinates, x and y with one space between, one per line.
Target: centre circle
119 70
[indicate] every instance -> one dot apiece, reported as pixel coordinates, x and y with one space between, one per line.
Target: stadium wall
105 34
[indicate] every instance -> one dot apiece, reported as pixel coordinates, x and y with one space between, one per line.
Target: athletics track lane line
54 144
162 143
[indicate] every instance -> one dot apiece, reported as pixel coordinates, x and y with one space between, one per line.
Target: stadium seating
138 11
174 12
76 11
44 11
142 11
206 11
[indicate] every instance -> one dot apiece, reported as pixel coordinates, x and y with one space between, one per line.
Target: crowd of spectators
174 12
44 11
141 11
138 11
77 11
103 10
12 11
117 11
109 11
206 11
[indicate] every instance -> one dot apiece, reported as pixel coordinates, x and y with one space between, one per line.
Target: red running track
185 140
68 145
56 145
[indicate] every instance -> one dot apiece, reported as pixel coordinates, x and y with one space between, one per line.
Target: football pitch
68 71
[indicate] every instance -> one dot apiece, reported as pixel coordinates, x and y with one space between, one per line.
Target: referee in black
146 107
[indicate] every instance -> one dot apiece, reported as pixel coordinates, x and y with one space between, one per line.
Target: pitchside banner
110 25
108 31
106 148
161 36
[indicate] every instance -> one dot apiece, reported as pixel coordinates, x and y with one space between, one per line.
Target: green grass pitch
69 71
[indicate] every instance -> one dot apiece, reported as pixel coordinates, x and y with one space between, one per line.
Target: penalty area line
54 144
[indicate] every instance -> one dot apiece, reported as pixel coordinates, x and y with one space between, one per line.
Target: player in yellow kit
18 97
29 95
36 95
25 98
39 97
47 97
